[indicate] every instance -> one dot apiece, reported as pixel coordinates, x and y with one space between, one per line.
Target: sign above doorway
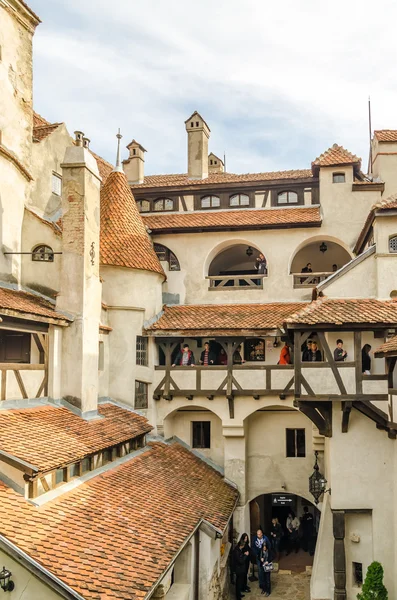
283 499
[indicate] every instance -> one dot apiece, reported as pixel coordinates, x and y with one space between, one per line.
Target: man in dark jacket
339 353
257 545
307 522
184 358
239 558
208 357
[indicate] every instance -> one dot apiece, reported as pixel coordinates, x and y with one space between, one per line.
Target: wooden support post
357 362
331 361
297 363
21 384
338 524
346 407
3 384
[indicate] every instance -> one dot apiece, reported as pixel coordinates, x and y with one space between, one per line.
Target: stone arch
227 246
340 252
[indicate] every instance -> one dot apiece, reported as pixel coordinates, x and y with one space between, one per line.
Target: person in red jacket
184 358
285 356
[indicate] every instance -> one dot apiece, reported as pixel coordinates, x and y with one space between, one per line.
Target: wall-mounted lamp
249 251
275 343
323 247
317 482
5 580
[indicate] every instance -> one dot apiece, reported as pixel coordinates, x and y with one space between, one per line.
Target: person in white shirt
292 526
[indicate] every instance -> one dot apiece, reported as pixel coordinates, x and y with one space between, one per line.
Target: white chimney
198 133
134 165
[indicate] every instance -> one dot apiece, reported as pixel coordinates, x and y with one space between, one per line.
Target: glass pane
393 244
290 439
292 197
59 476
158 205
74 470
300 443
244 200
234 200
282 198
216 201
174 264
168 204
206 202
85 465
143 205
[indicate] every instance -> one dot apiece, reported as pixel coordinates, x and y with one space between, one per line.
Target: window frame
295 442
338 174
141 349
169 256
43 250
202 434
211 197
163 199
54 189
288 202
140 202
239 195
392 241
144 393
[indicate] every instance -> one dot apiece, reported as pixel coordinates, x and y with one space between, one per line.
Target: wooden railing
309 280
232 282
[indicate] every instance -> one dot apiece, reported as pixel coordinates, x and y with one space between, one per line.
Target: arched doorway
297 552
237 266
324 255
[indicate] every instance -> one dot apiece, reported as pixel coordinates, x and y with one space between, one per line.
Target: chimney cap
79 137
196 115
135 144
86 142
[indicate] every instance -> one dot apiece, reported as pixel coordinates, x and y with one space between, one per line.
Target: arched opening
43 253
239 265
316 260
164 254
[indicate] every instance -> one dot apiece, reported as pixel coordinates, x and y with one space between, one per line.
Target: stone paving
284 587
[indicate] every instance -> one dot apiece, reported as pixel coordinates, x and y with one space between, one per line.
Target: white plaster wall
361 552
322 579
385 166
132 288
350 284
27 586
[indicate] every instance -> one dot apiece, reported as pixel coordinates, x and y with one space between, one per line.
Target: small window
56 184
101 356
254 349
141 394
60 476
357 574
141 350
43 253
164 254
85 465
143 205
287 198
74 470
211 161
134 151
201 434
296 443
210 202
163 204
239 200
197 123
393 244
338 178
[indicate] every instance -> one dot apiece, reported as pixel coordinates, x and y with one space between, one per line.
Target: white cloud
278 83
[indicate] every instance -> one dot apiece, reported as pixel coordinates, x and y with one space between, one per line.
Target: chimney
198 133
134 165
215 164
80 289
86 142
78 137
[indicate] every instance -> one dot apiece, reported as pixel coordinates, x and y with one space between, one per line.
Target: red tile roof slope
124 240
336 155
389 346
39 121
260 218
40 133
27 303
386 135
386 204
225 317
49 437
182 179
113 537
341 311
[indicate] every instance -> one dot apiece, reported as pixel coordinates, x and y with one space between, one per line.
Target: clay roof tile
334 156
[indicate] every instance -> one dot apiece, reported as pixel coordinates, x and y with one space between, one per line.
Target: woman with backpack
267 567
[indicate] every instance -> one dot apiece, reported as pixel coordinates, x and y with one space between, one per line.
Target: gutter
38 570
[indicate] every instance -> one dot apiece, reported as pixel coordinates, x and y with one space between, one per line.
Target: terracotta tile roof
386 135
54 225
220 318
346 311
235 219
389 346
104 167
40 133
39 121
182 179
49 436
124 240
334 156
113 537
386 204
389 203
27 306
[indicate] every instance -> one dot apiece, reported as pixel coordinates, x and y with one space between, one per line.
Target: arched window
287 198
393 244
338 178
43 253
210 202
163 204
164 254
239 200
143 205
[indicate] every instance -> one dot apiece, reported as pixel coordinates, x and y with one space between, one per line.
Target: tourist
307 521
222 357
244 538
307 351
237 356
312 353
292 526
339 353
307 269
184 358
334 268
285 356
366 359
207 356
276 535
257 546
266 567
261 264
240 556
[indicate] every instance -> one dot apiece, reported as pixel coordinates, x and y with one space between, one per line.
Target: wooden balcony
234 282
309 280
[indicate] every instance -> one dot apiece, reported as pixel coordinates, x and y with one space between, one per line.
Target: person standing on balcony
285 356
307 269
339 353
207 356
185 358
334 268
366 359
261 264
222 358
312 353
238 357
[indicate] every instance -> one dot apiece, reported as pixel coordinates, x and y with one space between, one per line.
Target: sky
278 82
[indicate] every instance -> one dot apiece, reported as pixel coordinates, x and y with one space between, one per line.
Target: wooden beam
357 362
331 362
21 385
298 363
307 386
310 411
3 384
346 408
42 386
231 407
40 347
21 367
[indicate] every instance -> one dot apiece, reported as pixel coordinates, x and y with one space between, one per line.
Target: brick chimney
198 133
80 289
134 165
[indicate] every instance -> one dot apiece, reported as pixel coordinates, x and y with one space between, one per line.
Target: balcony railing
309 280
233 282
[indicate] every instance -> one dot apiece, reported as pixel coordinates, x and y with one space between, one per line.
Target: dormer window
287 198
393 244
210 202
239 200
338 178
143 205
43 253
163 204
